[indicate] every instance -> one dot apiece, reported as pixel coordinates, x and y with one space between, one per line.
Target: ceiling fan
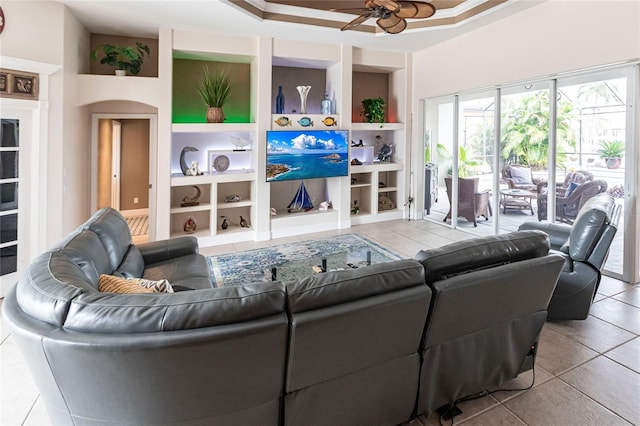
391 15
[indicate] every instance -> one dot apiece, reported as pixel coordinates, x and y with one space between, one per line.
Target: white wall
76 140
552 37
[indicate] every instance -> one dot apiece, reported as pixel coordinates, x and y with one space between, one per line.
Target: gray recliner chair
490 296
584 246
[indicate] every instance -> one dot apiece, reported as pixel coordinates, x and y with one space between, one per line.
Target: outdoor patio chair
568 206
471 203
577 177
520 177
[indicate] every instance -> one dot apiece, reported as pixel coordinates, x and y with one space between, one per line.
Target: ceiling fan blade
354 23
392 24
390 5
415 10
358 10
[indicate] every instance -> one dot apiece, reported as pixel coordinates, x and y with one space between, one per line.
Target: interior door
15 137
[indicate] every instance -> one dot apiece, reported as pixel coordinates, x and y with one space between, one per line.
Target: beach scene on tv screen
307 154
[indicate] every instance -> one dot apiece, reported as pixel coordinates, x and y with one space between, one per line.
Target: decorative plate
221 163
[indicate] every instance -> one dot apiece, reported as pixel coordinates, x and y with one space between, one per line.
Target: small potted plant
373 110
214 91
612 152
124 58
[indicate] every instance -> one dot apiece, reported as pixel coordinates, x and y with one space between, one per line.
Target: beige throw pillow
113 284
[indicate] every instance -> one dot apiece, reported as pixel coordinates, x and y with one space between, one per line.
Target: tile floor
587 372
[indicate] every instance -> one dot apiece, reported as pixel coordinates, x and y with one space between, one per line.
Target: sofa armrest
558 232
158 251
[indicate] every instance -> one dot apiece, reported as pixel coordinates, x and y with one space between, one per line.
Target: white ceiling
143 18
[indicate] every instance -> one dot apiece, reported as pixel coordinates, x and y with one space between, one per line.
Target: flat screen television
307 154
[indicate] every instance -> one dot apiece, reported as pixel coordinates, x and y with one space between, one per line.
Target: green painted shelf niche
187 107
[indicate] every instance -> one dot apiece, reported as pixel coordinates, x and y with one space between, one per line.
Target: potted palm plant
214 90
612 152
124 58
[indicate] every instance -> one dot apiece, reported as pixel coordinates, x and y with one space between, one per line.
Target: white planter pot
121 72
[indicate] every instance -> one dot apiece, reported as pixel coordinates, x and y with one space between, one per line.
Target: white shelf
191 209
377 126
377 167
387 189
360 185
205 232
213 127
222 177
233 205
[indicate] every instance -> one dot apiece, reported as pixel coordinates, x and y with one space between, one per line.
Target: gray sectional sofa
375 345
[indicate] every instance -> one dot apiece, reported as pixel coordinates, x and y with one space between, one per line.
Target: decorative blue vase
280 101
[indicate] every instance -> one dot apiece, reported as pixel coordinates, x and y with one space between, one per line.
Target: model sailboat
301 202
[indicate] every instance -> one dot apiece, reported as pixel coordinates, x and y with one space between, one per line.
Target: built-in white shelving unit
348 74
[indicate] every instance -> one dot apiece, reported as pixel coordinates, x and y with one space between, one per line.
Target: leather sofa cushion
113 231
132 265
589 226
44 291
337 287
86 250
479 253
145 313
190 271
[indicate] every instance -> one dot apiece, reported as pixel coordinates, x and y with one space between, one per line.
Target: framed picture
4 82
17 84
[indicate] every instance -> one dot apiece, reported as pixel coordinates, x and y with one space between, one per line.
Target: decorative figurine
190 225
194 170
183 162
385 154
233 198
355 209
225 222
192 201
239 143
244 223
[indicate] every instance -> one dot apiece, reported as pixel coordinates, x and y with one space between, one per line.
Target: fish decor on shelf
283 121
301 201
305 122
330 121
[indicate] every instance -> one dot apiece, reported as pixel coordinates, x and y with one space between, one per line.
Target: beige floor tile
523 381
627 354
18 391
610 286
609 383
497 416
593 332
557 403
38 415
217 250
251 245
618 313
630 296
557 354
469 409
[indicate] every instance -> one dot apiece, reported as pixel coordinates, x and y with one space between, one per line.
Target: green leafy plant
373 110
610 149
127 58
215 87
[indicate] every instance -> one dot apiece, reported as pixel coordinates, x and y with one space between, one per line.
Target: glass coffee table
300 268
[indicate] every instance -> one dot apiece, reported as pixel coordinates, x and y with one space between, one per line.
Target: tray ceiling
318 12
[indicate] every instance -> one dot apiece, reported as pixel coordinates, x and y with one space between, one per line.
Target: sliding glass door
597 160
555 136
